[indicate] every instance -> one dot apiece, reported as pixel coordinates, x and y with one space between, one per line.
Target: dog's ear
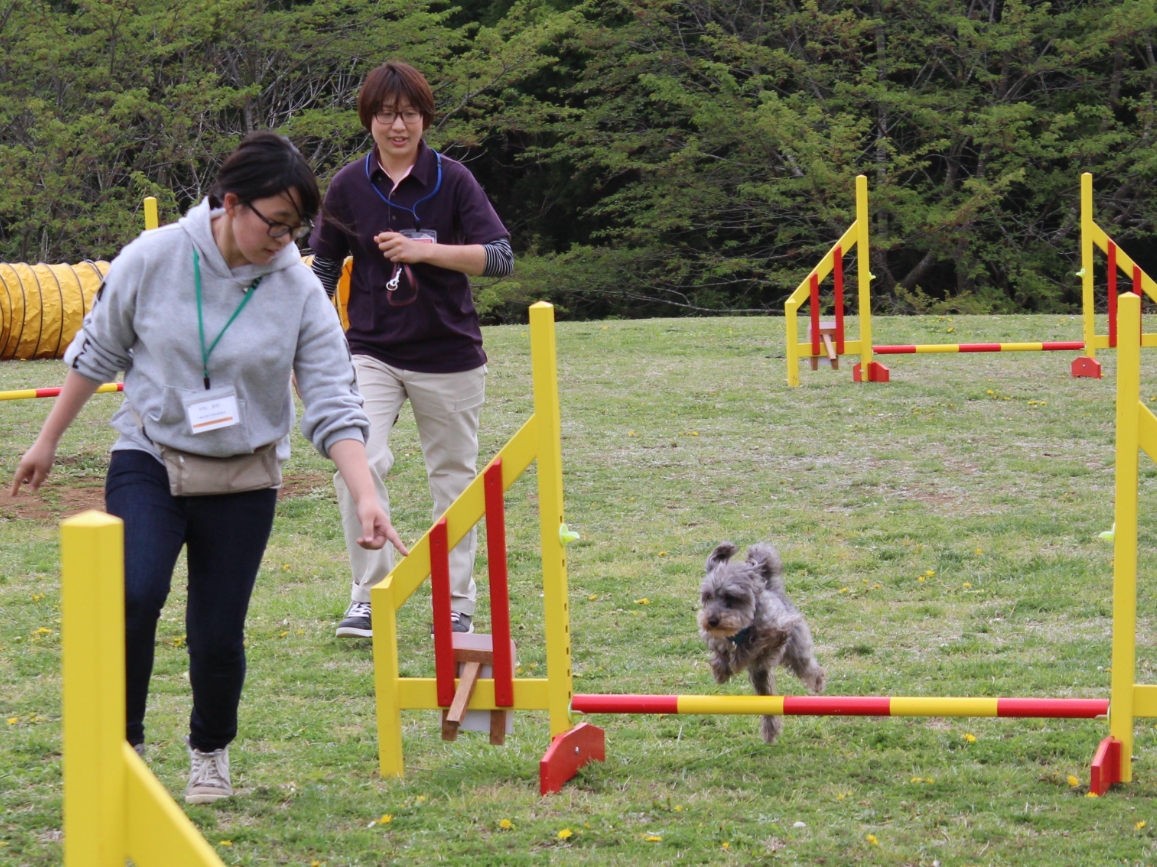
722 553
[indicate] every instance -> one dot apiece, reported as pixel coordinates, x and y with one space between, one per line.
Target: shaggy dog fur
749 624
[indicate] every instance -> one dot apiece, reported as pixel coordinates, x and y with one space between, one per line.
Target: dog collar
740 636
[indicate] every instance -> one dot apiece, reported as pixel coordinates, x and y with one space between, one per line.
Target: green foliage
650 156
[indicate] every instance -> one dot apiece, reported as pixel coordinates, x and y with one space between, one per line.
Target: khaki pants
446 408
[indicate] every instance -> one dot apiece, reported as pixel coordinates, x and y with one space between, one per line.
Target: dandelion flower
315 864
421 799
979 552
43 630
630 433
653 838
678 808
1139 825
1091 795
971 738
643 601
991 392
1073 781
225 843
922 579
930 573
843 589
871 838
386 819
565 834
662 553
967 585
917 780
726 847
12 720
505 824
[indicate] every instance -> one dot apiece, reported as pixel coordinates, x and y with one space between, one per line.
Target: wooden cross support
471 652
828 331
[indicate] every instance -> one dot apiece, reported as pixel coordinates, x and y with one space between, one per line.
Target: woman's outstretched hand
376 527
34 467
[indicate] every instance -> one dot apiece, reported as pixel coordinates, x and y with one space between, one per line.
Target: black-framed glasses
279 230
409 116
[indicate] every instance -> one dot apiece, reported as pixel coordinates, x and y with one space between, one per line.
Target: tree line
651 157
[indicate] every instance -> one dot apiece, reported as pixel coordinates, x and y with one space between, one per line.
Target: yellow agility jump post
1092 236
1136 430
820 333
538 439
114 808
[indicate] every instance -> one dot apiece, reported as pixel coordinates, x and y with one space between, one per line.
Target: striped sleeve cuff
328 271
499 259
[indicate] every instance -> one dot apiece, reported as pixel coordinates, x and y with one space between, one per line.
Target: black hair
263 165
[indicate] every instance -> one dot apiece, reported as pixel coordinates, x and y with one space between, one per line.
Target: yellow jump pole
93 651
560 686
864 275
1087 318
1125 535
152 220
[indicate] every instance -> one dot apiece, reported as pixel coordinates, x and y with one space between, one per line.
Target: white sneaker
356 622
208 776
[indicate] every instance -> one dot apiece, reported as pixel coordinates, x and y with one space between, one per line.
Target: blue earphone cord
414 210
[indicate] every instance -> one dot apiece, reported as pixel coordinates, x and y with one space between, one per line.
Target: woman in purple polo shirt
417 224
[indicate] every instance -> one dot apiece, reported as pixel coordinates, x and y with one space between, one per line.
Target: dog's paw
720 669
770 727
819 681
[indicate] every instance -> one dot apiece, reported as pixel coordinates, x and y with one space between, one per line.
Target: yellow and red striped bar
26 393
825 705
920 348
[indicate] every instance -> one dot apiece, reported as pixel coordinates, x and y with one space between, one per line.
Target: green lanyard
205 353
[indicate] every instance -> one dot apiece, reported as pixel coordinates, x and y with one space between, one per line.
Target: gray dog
748 623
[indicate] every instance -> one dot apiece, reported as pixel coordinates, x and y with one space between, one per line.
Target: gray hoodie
144 322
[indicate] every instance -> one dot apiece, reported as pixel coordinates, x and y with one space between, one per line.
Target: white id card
426 236
212 410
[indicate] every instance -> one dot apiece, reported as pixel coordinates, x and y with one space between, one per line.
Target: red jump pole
499 587
1112 294
838 268
815 311
444 667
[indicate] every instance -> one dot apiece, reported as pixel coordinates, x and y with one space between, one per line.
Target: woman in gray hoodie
209 317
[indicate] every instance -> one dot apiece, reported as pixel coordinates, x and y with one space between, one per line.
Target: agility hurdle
114 808
27 393
822 346
1136 431
1092 236
820 334
539 440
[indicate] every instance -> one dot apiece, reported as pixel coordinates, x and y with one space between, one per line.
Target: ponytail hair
264 165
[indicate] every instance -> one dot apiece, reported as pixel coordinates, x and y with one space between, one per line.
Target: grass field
939 532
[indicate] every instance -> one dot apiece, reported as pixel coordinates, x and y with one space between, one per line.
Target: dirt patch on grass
57 499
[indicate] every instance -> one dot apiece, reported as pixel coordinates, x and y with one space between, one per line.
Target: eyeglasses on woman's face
279 230
387 116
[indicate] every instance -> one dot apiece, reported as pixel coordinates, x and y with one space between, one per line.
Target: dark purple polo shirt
439 332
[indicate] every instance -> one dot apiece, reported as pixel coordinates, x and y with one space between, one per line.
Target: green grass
994 472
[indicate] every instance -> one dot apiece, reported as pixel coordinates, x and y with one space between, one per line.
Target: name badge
426 236
212 410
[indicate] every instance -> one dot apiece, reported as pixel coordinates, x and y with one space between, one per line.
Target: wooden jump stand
459 685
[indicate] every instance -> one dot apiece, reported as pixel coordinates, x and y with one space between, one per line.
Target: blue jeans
225 537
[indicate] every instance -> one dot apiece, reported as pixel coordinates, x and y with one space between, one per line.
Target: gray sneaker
139 749
208 776
460 622
356 622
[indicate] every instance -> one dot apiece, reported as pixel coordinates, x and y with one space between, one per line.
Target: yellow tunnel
42 306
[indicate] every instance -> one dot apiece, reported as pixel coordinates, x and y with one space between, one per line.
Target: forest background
650 157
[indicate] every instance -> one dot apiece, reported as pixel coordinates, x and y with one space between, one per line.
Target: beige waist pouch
197 475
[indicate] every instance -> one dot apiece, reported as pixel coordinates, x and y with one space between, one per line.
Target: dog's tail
767 560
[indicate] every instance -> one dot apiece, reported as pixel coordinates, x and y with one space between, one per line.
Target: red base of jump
1106 769
569 752
876 373
1086 368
